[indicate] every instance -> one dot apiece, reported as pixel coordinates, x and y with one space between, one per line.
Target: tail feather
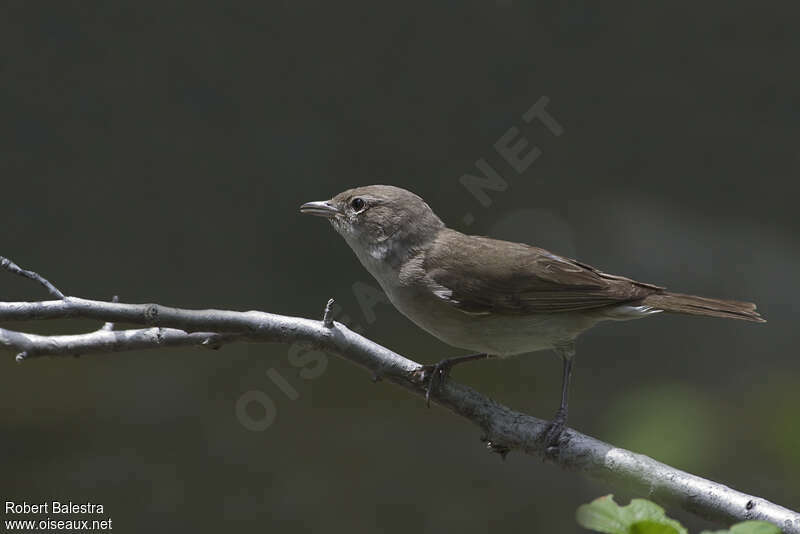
694 305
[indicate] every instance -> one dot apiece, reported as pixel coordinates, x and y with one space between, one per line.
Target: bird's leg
440 371
556 427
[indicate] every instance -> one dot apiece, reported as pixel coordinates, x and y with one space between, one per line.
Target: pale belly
498 335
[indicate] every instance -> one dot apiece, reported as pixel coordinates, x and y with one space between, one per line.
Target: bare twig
327 317
9 265
503 427
108 326
104 341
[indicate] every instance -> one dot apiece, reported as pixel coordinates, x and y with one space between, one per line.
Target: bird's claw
498 448
437 375
551 437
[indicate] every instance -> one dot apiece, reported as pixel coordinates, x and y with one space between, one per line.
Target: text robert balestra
53 507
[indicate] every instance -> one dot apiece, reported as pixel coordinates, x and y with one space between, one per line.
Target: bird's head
379 221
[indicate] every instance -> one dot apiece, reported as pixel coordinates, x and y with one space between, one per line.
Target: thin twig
327 317
108 326
105 341
9 265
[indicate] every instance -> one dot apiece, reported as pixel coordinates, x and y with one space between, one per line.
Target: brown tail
694 305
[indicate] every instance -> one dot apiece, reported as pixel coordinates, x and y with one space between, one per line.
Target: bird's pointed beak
322 208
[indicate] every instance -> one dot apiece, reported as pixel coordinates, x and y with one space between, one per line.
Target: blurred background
161 152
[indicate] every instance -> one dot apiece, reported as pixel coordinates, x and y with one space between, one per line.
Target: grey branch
327 317
9 265
502 427
109 325
104 341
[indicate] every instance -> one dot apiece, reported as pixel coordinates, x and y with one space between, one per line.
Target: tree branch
504 428
9 265
104 341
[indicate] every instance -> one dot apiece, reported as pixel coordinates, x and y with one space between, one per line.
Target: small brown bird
495 297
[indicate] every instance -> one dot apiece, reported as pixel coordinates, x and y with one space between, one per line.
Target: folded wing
480 275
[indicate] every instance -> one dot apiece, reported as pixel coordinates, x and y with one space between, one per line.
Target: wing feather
483 275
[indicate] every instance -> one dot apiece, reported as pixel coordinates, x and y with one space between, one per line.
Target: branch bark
503 428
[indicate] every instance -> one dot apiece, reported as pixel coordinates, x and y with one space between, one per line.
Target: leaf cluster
644 517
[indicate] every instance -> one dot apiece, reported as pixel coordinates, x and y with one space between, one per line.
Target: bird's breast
496 334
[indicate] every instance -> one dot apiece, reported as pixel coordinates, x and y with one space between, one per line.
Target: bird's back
479 274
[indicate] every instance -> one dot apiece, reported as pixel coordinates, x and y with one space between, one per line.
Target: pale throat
383 259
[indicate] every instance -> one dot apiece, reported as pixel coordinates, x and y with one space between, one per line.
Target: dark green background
160 153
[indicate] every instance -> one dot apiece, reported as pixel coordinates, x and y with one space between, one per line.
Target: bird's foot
498 448
552 436
495 447
437 375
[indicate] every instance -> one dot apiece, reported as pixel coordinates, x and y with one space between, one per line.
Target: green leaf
748 527
652 527
638 517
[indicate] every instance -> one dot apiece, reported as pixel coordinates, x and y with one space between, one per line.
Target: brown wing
482 275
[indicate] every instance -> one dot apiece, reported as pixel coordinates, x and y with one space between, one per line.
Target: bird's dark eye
358 204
